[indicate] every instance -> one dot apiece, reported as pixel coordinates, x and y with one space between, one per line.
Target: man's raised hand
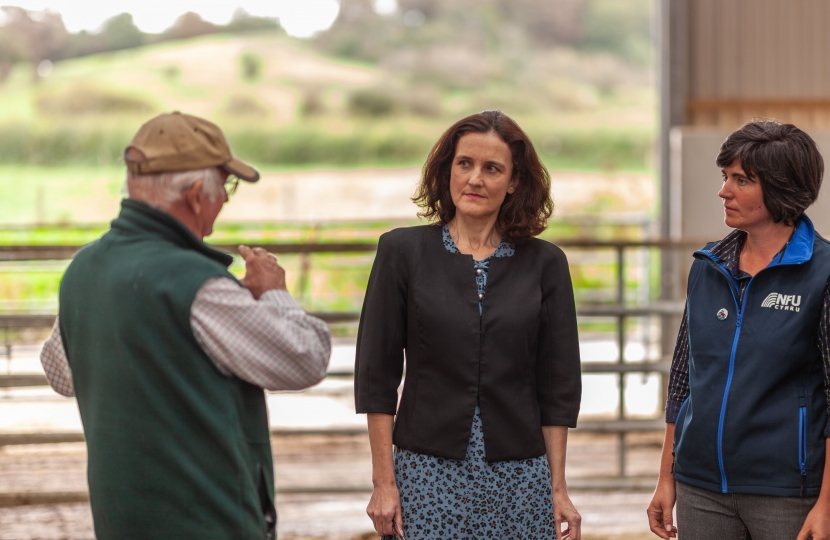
262 273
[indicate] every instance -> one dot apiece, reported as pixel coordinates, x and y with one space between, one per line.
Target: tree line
618 27
35 37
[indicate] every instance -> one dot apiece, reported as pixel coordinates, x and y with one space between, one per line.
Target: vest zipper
734 287
723 483
802 445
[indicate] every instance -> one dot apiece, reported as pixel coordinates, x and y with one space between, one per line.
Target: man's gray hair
161 190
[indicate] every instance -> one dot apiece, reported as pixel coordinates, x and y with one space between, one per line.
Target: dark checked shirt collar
728 251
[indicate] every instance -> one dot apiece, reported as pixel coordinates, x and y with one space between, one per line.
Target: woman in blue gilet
747 421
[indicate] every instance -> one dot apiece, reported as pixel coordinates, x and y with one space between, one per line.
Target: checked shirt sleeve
824 345
271 342
679 377
55 364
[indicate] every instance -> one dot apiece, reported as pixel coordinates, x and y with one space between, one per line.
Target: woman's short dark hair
524 213
784 159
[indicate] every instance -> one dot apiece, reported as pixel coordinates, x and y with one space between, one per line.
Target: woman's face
481 175
743 200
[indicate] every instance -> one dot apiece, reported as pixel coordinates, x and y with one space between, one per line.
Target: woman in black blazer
483 314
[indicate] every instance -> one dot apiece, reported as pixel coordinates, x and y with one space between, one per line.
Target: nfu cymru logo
787 302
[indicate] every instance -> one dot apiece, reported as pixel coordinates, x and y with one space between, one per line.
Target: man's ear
193 197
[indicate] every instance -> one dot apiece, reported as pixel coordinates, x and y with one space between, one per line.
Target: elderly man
168 353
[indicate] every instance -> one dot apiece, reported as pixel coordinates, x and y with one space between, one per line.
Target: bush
371 102
595 149
588 149
305 147
242 105
251 66
619 28
420 100
90 100
61 145
313 103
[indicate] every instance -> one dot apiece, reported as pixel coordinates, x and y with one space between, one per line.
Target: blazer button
478 271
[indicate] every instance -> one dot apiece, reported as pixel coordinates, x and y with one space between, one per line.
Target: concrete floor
317 462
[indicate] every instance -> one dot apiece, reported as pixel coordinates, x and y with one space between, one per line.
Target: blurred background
337 103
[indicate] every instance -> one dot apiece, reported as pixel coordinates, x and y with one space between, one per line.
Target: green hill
261 77
284 104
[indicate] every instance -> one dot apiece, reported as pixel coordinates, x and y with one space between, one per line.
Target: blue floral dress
472 498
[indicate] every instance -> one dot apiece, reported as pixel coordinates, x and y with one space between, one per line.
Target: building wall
767 58
723 63
731 61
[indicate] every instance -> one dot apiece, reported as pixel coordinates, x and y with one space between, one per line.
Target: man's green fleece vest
176 449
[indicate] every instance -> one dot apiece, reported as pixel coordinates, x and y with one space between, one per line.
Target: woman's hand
556 444
564 512
385 509
660 509
817 524
385 505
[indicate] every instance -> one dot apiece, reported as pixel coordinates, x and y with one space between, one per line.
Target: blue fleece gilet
754 420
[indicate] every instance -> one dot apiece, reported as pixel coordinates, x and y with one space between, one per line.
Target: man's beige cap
175 142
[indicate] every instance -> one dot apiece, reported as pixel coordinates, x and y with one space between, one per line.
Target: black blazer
520 359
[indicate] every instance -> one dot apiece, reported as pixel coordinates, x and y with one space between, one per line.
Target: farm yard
339 126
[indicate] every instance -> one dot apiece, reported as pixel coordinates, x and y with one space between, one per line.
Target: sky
300 18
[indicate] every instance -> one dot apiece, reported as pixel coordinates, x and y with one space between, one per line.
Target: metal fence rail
619 311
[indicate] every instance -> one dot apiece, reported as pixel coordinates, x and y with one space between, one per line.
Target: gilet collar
139 218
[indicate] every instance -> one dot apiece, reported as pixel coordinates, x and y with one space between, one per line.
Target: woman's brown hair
784 159
524 213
